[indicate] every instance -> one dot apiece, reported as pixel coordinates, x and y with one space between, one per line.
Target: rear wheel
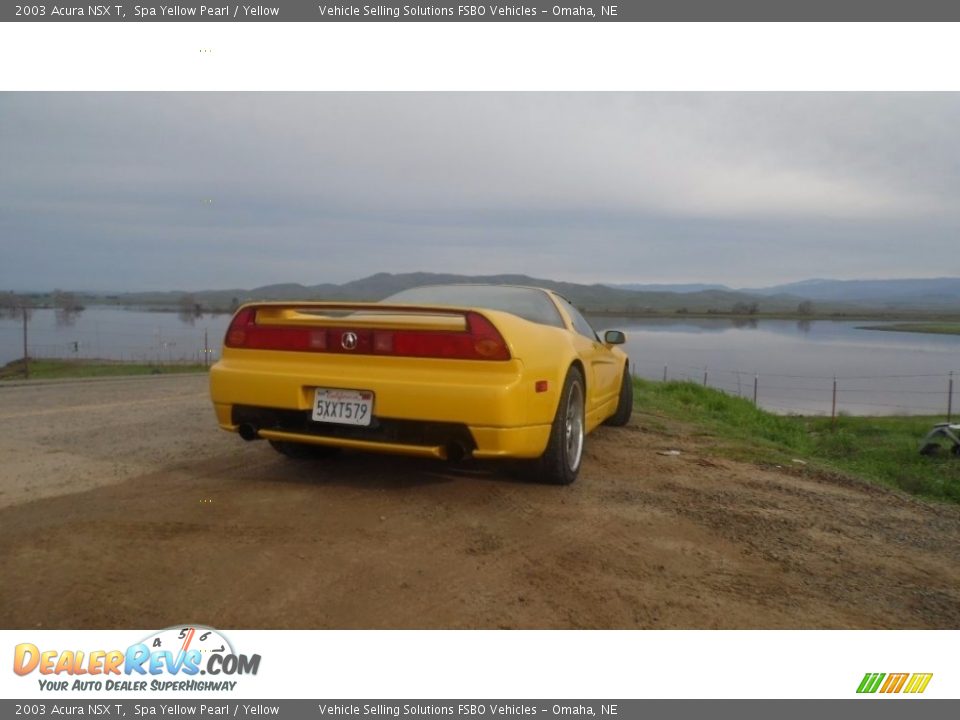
625 404
560 462
303 451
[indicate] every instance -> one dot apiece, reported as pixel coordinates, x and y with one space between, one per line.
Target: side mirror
614 337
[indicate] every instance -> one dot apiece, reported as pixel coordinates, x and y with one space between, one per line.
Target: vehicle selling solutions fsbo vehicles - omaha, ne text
445 371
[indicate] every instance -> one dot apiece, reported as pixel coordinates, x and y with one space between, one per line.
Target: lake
114 333
794 362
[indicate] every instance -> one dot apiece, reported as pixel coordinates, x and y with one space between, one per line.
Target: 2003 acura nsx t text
447 371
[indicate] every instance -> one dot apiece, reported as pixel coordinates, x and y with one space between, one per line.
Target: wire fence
854 394
156 339
199 344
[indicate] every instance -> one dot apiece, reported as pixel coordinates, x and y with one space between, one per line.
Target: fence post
26 355
206 349
756 381
833 411
950 398
704 377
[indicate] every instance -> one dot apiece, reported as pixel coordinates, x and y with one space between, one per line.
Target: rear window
529 303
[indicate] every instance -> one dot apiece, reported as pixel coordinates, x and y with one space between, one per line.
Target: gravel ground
123 505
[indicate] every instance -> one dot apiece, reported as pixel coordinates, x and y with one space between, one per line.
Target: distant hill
596 298
668 287
900 293
939 294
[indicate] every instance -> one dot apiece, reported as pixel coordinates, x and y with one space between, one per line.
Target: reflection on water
190 310
115 334
793 362
67 308
66 317
190 316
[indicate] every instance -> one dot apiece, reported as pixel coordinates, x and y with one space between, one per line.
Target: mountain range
900 293
936 294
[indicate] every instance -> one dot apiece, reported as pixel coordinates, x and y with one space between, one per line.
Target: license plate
344 407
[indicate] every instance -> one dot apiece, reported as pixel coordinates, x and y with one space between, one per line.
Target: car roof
477 284
493 285
531 309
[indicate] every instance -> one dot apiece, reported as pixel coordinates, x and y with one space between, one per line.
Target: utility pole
26 355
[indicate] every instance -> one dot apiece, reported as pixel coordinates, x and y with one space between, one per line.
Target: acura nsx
444 371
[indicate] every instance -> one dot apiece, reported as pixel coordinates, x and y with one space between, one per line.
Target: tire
561 461
303 451
625 405
930 449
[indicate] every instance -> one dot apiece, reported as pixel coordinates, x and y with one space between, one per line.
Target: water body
794 362
114 333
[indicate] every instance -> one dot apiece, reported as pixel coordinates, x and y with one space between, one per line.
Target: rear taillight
480 341
488 342
237 332
245 333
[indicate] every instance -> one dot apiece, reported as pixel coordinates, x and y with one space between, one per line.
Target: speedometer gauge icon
183 638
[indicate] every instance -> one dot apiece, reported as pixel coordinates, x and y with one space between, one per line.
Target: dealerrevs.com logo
171 659
911 683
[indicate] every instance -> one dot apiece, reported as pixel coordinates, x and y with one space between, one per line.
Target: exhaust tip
456 452
248 432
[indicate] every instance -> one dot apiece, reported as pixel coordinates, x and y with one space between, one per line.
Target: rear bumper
498 443
428 409
440 452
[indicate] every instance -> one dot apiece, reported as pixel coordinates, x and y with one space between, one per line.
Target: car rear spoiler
360 314
367 329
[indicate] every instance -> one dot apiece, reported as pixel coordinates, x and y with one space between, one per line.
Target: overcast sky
128 191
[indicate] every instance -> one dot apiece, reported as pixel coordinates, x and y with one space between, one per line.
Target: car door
603 371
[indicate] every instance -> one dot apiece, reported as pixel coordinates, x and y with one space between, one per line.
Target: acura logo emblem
349 341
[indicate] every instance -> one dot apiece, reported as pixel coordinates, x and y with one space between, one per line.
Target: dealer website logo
894 683
167 660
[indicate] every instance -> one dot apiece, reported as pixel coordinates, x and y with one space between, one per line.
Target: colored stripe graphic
870 682
918 683
894 683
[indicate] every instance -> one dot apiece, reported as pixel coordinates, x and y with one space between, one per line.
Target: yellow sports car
445 371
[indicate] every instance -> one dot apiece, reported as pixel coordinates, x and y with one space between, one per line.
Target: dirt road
122 505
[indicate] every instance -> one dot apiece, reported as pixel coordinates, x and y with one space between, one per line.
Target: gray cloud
203 190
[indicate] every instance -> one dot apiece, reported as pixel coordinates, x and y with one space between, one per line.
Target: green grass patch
938 328
41 369
877 449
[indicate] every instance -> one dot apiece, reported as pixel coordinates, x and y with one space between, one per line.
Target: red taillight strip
480 341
